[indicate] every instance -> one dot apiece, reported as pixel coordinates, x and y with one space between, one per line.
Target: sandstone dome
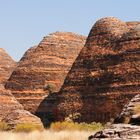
7 65
105 75
106 31
43 68
109 25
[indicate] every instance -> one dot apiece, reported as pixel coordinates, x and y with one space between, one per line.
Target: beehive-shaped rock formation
13 113
106 74
43 68
7 65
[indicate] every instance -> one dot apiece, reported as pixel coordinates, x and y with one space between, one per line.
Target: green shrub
27 128
58 126
50 87
4 126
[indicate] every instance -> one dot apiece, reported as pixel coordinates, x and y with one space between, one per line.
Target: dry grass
57 131
46 135
73 126
27 128
4 126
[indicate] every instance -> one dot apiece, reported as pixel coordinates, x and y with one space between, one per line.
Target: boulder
131 112
118 132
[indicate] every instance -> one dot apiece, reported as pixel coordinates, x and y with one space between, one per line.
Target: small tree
50 87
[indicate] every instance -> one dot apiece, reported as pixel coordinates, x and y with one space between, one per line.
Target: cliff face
13 113
43 68
106 74
7 65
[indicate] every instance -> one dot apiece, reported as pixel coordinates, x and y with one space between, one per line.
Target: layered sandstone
43 68
118 132
131 112
105 75
132 24
13 113
128 123
7 65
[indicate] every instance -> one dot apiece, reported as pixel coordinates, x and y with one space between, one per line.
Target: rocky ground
118 132
128 126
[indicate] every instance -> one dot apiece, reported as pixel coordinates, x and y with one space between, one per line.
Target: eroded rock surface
131 112
13 113
7 65
106 74
128 123
43 68
118 132
132 24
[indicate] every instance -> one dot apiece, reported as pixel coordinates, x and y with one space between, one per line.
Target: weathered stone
22 117
13 113
105 75
43 68
132 24
118 132
130 112
7 65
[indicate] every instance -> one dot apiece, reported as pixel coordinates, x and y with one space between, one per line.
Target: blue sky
23 23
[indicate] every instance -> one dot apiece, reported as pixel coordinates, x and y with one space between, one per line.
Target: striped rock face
43 68
131 112
132 24
7 65
13 113
106 74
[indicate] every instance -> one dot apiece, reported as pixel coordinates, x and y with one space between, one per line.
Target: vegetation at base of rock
4 126
59 126
26 128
